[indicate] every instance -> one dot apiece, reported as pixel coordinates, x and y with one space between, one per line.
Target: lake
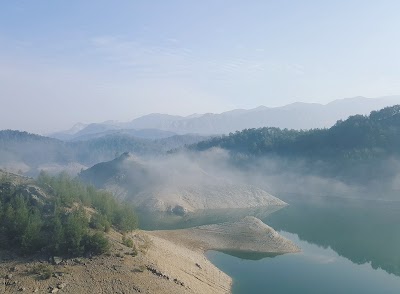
348 246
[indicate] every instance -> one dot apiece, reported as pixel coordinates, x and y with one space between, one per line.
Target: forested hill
358 137
58 215
32 152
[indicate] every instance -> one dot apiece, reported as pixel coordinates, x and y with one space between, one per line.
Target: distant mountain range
293 116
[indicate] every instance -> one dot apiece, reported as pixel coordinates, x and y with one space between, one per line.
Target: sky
63 62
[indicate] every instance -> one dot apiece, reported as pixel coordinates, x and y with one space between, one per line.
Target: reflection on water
314 270
362 231
249 255
348 246
169 221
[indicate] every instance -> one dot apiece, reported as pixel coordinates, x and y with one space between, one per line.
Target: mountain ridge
30 153
297 115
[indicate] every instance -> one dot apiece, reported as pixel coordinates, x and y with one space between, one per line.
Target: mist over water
192 113
347 229
282 177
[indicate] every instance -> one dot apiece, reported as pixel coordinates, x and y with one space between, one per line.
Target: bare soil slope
159 267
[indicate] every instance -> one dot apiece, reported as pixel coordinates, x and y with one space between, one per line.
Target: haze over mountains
293 116
176 184
29 153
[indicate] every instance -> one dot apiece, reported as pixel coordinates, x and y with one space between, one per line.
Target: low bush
43 271
128 242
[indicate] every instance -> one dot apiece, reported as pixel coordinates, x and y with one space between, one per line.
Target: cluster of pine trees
72 221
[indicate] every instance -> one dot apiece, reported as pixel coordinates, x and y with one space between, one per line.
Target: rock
78 260
136 289
36 290
54 290
179 210
179 282
61 285
156 272
57 260
21 289
9 276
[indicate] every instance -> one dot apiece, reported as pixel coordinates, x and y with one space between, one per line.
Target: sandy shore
166 262
192 267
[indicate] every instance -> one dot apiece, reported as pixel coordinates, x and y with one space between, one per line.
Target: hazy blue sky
67 61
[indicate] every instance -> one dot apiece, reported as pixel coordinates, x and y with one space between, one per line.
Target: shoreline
191 266
161 262
247 236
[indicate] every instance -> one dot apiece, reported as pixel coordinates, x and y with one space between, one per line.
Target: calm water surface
347 247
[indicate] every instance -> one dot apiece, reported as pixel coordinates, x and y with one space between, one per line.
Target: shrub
128 242
96 243
134 251
99 222
43 271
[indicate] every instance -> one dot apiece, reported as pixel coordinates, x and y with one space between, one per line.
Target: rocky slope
173 187
159 266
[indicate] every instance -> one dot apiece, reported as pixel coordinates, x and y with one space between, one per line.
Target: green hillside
58 215
359 136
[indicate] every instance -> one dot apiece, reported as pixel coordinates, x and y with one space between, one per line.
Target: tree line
356 138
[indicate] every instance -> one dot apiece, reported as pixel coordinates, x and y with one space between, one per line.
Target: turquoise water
315 270
347 247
